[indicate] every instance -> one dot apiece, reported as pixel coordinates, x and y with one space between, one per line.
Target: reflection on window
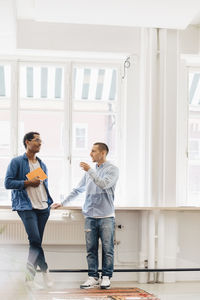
94 84
80 136
41 82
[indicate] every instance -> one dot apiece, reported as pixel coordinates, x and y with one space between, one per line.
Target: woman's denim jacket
14 180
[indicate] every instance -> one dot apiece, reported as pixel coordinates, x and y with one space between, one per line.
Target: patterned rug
98 294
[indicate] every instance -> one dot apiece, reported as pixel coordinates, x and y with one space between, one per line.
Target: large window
71 106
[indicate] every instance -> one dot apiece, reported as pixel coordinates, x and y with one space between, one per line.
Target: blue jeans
34 222
103 229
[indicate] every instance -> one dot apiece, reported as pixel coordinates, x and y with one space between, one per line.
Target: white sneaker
105 283
47 279
90 283
33 285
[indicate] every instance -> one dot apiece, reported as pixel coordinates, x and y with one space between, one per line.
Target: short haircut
102 147
29 136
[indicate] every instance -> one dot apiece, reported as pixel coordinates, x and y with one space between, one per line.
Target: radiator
56 233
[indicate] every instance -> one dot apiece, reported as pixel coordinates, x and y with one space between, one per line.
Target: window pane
86 84
77 174
50 127
29 82
4 132
2 82
58 83
41 81
5 81
4 194
113 86
194 139
94 84
44 81
80 134
194 89
193 184
56 178
101 128
99 89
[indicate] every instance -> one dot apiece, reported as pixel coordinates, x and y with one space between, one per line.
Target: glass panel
94 84
4 194
50 127
77 174
193 184
194 138
194 89
80 136
99 89
4 132
5 81
2 82
86 84
101 128
44 81
58 83
41 82
113 87
29 82
56 178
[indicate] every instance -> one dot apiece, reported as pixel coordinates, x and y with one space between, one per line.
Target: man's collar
101 165
25 157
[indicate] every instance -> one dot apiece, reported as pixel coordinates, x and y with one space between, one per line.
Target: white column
168 77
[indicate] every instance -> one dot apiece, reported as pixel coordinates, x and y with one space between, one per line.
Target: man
99 215
31 200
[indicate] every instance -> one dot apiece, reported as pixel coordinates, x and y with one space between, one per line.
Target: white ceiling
176 14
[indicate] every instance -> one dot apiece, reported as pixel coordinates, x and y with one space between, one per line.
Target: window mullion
67 132
14 109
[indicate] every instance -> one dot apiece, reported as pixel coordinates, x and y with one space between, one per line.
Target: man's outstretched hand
84 166
56 205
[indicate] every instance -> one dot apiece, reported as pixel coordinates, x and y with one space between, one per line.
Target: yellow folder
36 173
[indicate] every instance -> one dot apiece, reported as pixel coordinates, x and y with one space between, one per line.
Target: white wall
7 27
72 37
189 40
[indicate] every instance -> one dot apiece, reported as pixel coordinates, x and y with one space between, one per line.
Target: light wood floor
12 287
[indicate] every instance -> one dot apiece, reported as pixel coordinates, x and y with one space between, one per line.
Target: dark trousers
34 222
